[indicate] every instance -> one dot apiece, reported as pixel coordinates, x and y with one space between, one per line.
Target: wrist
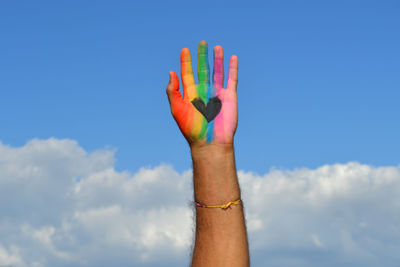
215 178
212 151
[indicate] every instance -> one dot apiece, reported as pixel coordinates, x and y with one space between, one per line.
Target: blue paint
210 127
210 132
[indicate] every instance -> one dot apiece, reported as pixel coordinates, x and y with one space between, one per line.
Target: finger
233 73
203 69
218 77
173 88
189 87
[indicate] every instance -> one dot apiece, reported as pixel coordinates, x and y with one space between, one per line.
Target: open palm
206 113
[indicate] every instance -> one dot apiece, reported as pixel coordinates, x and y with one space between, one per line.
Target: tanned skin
221 238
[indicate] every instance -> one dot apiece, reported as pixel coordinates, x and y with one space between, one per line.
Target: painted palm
205 112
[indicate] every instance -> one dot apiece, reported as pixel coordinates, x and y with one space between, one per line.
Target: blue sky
82 84
318 82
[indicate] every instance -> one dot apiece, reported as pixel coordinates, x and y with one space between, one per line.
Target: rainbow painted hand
206 113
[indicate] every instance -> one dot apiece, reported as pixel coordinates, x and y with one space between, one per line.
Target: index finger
189 87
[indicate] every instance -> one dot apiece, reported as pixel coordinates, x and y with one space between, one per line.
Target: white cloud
63 206
340 214
10 257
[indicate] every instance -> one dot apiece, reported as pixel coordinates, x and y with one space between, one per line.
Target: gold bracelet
224 207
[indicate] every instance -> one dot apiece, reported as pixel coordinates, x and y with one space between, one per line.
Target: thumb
173 87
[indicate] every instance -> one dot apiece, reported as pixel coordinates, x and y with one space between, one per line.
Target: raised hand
206 113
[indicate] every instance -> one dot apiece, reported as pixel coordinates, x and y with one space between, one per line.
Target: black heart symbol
209 111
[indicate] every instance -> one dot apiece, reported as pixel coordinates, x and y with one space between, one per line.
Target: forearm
221 238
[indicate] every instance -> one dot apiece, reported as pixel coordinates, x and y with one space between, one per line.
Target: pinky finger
233 73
